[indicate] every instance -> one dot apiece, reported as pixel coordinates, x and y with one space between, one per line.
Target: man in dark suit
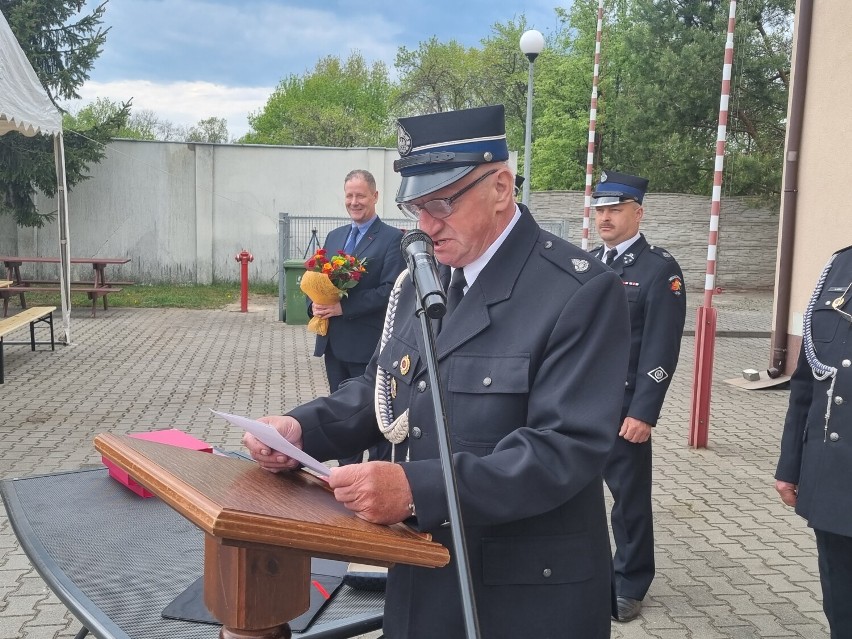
355 322
526 360
656 296
814 471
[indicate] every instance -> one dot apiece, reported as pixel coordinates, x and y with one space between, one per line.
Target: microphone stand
466 587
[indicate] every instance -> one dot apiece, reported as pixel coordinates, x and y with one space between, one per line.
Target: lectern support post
255 589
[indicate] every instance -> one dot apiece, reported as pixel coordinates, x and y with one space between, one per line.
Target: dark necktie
456 290
610 255
349 248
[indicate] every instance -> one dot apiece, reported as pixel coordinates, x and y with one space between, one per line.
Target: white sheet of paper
272 438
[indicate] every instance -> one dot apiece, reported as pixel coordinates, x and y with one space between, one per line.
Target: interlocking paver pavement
733 562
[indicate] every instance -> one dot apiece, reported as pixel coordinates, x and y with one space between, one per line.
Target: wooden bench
94 292
31 316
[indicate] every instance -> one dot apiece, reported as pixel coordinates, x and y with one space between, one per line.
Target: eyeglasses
440 208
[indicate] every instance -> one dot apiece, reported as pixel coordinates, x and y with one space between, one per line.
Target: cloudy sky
187 60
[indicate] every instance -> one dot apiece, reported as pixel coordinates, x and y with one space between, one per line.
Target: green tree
62 44
102 110
336 104
660 93
504 77
209 130
439 77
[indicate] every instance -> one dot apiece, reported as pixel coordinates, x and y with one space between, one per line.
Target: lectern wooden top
237 500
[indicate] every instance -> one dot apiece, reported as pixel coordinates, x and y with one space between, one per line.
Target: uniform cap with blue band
441 148
615 187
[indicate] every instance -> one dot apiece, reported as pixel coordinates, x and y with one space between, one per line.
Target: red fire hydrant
244 257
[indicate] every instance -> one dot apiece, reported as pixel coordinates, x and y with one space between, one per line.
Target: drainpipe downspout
791 188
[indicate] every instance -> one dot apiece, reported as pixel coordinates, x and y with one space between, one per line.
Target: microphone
417 249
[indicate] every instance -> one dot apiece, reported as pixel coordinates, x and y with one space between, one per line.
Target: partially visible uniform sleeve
792 441
665 314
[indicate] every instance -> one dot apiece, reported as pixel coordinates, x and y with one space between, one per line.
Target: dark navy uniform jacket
656 296
814 454
353 336
526 362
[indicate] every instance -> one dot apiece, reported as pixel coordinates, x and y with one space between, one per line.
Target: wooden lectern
261 530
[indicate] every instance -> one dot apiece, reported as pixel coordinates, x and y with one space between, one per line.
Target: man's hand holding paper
270 459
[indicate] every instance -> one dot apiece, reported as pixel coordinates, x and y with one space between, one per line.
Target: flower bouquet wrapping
326 280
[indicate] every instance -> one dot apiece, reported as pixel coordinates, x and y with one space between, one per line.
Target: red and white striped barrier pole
593 119
705 321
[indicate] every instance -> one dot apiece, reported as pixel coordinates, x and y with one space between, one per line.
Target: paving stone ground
732 560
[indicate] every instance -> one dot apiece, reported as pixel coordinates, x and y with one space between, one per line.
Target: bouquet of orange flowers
326 280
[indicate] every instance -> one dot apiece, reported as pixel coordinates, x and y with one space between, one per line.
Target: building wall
822 223
181 212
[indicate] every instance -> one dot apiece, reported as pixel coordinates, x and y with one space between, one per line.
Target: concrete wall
681 224
181 212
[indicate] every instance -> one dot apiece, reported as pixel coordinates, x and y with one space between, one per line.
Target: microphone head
413 236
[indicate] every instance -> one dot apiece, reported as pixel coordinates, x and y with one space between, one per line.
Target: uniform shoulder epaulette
843 250
659 250
569 257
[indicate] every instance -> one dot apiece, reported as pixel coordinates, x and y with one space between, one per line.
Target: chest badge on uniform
838 302
581 266
676 285
405 364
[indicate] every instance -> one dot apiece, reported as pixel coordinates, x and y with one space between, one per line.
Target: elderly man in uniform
656 297
814 471
526 358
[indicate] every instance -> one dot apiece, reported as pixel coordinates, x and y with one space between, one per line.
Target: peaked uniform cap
440 148
617 187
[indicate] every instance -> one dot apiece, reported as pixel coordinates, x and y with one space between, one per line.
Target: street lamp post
532 42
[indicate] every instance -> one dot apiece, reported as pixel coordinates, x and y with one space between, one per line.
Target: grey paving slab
733 562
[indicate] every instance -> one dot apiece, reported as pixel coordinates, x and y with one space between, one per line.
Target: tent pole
64 245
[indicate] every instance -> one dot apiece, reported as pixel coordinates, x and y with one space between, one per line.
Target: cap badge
405 365
581 266
603 176
403 140
487 156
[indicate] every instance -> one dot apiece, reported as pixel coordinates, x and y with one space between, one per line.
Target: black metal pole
456 528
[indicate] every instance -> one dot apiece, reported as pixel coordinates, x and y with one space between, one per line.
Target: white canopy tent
26 108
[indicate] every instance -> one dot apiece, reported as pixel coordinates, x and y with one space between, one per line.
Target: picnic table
100 287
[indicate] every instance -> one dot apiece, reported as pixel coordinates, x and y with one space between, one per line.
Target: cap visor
606 200
416 186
